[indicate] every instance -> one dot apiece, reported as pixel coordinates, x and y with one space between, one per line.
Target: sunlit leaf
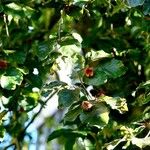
145 85
141 142
68 40
69 50
116 103
11 78
113 144
95 55
2 114
143 97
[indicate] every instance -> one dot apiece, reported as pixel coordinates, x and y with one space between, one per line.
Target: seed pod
86 105
88 71
21 110
3 64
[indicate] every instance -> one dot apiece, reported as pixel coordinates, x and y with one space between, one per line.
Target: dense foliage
107 45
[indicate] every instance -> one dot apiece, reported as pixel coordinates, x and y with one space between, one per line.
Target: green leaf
69 143
14 10
98 116
69 50
16 56
98 79
116 103
42 49
11 78
67 97
68 40
143 98
78 61
112 145
54 84
24 70
145 85
35 81
146 8
95 55
72 114
2 114
111 69
134 3
1 8
69 46
2 131
114 68
65 133
32 98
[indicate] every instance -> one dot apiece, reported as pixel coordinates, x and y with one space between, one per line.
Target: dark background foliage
106 44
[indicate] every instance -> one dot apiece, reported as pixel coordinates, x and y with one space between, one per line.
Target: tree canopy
106 44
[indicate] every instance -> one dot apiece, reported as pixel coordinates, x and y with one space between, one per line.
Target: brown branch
34 117
17 143
13 144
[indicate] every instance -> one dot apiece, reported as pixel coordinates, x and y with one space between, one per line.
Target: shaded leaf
98 78
69 143
98 116
2 131
72 114
66 133
114 68
67 97
103 71
146 7
54 84
134 3
16 56
42 49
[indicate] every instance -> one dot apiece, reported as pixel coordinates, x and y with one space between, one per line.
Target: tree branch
34 117
13 144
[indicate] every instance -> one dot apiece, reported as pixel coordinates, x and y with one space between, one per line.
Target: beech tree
106 44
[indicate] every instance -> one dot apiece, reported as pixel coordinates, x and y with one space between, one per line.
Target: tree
106 43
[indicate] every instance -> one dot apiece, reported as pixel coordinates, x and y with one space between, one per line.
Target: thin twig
147 135
13 144
17 143
6 26
84 88
60 26
34 117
